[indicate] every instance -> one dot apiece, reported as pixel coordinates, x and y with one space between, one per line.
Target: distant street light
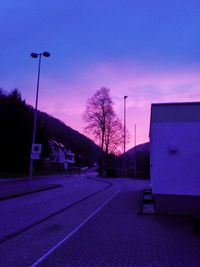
135 169
124 161
36 55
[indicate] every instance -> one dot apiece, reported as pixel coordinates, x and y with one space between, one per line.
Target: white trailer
175 157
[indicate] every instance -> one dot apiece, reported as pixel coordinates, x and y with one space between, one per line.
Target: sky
148 50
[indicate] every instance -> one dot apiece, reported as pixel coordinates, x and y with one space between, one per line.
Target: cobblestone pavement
117 236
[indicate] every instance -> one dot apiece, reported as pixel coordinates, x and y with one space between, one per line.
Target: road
91 222
32 224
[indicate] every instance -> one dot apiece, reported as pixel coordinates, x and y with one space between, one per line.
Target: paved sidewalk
20 187
119 237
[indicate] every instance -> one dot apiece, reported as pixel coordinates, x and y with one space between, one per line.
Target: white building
60 154
175 156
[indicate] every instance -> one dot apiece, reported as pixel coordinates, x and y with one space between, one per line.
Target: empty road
91 222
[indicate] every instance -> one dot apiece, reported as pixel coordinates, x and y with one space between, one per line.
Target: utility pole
36 55
135 158
124 157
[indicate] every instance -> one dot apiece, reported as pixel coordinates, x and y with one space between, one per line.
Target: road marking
36 263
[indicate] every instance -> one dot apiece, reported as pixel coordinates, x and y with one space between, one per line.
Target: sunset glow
147 51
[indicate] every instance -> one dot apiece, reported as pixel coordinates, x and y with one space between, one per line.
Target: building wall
175 172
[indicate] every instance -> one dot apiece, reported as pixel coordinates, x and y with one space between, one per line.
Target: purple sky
148 50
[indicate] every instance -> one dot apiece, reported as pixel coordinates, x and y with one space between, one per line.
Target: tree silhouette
113 134
16 119
103 124
16 126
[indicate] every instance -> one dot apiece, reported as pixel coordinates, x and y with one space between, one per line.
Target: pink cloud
66 98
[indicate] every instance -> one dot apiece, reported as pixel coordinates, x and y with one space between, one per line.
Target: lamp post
36 55
124 161
135 158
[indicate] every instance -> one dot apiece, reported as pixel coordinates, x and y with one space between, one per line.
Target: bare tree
98 111
102 122
113 135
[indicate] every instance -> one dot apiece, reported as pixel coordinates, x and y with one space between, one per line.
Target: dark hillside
140 156
139 148
16 122
72 139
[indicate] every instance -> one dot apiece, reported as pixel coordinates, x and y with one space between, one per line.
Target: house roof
60 145
175 112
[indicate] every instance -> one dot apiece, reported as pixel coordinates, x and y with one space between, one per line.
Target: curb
29 191
54 213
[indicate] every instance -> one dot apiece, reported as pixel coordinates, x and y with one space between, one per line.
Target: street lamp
135 169
36 55
124 163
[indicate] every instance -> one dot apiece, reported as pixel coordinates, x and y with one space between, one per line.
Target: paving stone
118 236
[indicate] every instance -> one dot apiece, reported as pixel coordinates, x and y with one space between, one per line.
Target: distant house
175 156
60 154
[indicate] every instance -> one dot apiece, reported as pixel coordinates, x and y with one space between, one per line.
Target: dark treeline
16 121
142 164
136 163
140 156
86 152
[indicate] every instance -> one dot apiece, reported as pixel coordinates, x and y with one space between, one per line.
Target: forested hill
16 121
143 148
72 139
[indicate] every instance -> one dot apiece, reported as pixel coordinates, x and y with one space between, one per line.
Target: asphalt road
20 213
30 225
93 223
